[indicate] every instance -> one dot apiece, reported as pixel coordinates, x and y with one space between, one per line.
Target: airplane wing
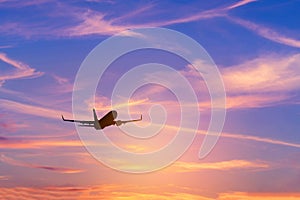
78 121
119 122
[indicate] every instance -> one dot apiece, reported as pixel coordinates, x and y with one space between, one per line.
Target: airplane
107 120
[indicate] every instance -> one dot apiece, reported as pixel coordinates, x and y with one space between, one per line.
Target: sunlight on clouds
265 74
180 166
37 144
258 196
109 192
14 162
93 23
124 192
254 101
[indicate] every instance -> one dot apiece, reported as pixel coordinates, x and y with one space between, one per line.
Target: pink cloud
263 81
31 109
267 33
121 191
21 70
14 162
91 22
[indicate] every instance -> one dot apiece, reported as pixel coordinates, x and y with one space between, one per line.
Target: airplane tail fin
96 121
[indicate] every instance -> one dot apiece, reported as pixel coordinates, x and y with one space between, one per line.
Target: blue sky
255 45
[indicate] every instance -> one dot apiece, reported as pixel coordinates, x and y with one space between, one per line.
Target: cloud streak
22 70
31 109
115 191
266 32
180 166
6 143
85 22
14 162
237 136
257 196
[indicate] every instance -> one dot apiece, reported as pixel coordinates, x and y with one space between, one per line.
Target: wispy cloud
21 143
265 81
5 46
240 3
31 109
267 33
260 139
14 162
114 191
208 14
236 136
258 196
104 191
4 178
93 23
18 4
22 70
84 22
180 166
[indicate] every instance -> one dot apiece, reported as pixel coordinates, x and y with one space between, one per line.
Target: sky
255 47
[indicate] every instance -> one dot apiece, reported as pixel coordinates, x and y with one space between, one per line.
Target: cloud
269 73
258 196
32 110
6 46
267 32
114 191
180 166
260 139
240 3
14 162
208 14
21 70
236 136
15 143
105 191
18 4
263 81
92 23
4 178
84 22
63 85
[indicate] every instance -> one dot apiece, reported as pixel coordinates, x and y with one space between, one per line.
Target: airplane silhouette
106 120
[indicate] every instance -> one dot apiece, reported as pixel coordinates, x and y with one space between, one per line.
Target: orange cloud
124 192
258 196
14 162
180 166
108 192
6 143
